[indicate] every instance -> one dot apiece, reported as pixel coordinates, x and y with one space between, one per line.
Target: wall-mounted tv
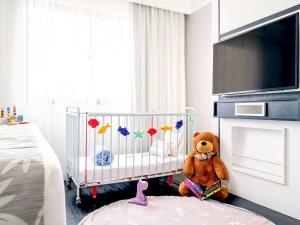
263 59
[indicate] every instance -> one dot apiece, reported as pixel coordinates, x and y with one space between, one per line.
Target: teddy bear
203 166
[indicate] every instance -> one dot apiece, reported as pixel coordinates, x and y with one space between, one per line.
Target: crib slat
142 147
170 156
118 172
157 118
103 122
94 163
111 149
184 140
134 148
163 158
126 123
149 148
177 147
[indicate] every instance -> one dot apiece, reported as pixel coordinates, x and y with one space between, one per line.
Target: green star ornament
138 134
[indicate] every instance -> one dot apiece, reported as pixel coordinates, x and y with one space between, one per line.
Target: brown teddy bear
203 166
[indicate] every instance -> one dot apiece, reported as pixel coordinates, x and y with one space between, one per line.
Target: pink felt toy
140 198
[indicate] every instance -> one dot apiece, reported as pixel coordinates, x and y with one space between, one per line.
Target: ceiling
182 6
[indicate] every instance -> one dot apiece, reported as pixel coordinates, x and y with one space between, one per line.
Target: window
80 55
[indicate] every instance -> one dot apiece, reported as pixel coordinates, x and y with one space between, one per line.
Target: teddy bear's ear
195 134
217 143
218 139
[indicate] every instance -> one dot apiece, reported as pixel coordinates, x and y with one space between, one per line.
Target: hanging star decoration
103 129
123 131
152 131
166 128
191 119
179 124
93 123
138 134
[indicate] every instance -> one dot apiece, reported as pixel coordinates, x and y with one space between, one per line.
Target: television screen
263 59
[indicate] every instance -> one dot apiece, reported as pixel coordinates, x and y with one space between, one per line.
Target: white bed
137 165
54 212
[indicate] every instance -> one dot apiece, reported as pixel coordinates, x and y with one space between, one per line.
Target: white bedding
54 194
137 165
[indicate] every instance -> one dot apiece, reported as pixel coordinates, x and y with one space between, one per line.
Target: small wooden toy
12 119
2 113
14 110
20 118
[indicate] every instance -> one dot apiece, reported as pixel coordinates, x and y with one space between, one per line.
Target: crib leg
170 180
94 191
78 199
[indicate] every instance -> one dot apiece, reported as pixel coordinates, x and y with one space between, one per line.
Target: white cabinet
263 161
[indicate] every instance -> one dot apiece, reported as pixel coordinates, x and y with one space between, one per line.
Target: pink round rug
173 210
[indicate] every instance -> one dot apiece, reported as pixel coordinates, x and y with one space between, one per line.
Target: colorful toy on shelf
166 128
14 110
8 111
12 119
138 134
20 118
123 131
93 123
179 124
2 113
140 198
103 129
152 131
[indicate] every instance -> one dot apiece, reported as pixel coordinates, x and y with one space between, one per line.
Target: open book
203 193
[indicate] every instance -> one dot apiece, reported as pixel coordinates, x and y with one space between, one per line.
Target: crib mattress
138 164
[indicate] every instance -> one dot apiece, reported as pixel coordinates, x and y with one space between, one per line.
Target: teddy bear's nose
203 143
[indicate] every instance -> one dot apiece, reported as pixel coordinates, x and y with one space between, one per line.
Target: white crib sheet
136 165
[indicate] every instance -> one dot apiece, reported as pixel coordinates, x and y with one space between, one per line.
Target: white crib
156 146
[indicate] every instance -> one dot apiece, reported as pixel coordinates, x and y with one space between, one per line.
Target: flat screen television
263 59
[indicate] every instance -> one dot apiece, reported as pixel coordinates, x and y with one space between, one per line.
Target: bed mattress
138 164
34 179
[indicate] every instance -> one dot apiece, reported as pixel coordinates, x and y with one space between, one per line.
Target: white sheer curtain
80 52
159 58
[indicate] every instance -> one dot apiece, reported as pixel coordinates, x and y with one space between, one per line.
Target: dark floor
111 193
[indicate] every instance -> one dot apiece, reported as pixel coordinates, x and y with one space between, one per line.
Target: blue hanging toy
179 124
123 131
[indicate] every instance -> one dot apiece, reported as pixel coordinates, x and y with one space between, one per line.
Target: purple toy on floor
140 198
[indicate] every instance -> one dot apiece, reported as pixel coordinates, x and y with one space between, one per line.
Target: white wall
236 13
199 66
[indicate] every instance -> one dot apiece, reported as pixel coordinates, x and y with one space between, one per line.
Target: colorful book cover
199 192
